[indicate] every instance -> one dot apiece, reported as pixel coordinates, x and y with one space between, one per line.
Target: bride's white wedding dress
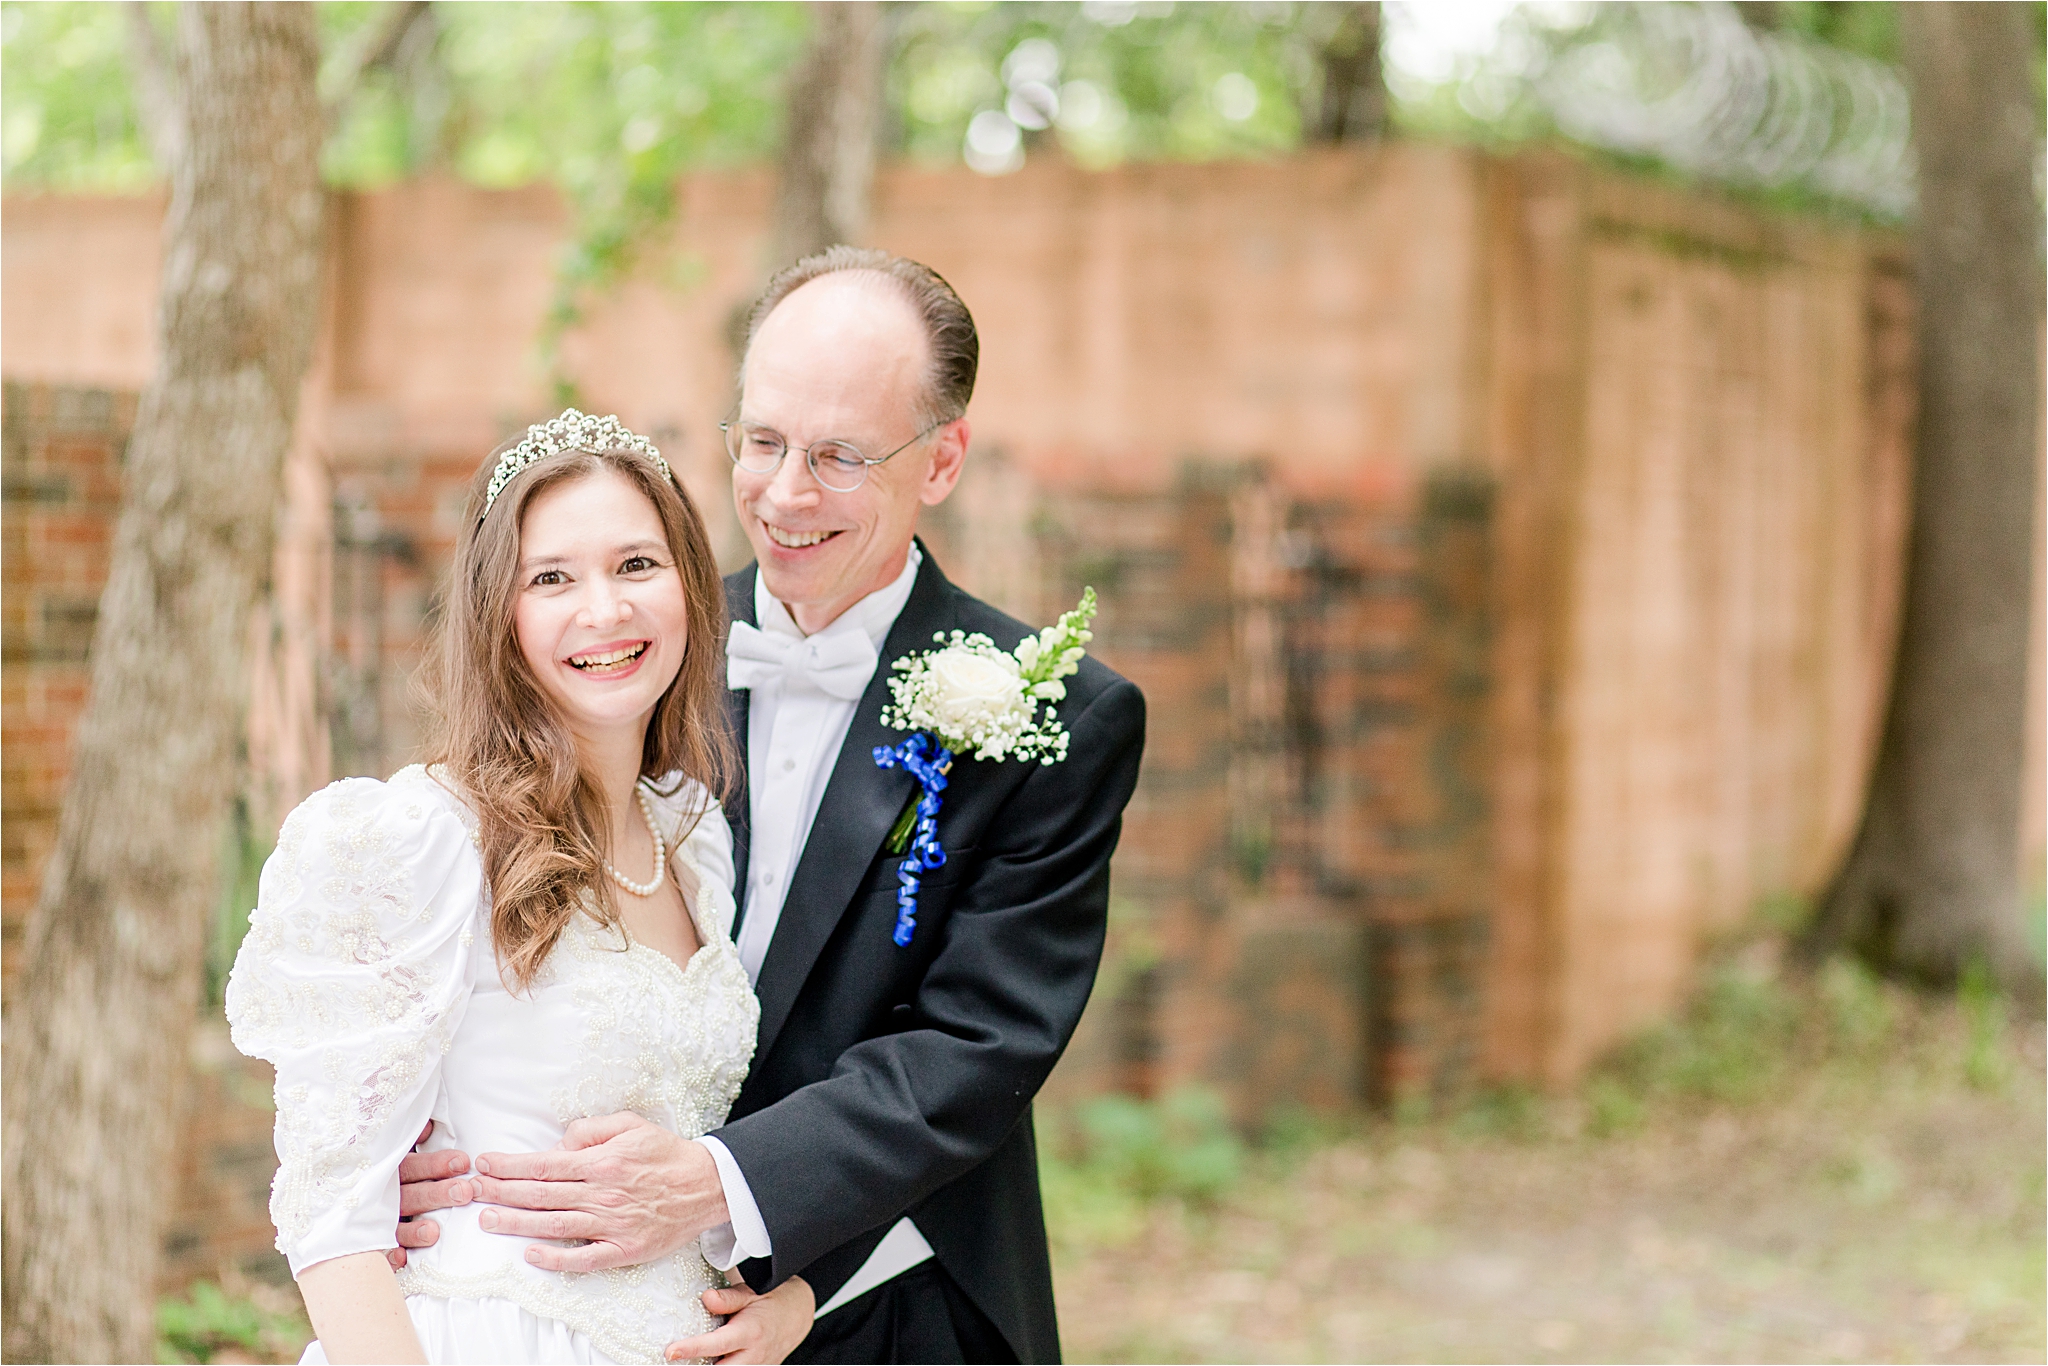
369 980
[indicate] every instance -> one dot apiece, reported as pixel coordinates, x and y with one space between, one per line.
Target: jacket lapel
739 813
861 802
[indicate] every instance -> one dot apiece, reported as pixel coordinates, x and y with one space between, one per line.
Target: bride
533 929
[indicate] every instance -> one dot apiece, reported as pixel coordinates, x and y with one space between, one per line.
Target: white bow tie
838 663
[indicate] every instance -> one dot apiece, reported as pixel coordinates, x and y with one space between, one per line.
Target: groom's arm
901 1115
904 1114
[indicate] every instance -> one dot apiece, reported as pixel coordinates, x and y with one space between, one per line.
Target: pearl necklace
652 885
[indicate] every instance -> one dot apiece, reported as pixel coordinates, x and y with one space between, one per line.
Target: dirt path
1877 1208
1843 1174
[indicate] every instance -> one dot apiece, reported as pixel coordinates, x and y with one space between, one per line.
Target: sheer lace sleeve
352 980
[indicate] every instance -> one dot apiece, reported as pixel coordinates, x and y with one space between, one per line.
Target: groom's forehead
852 329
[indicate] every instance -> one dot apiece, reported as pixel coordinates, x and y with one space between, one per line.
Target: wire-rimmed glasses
836 465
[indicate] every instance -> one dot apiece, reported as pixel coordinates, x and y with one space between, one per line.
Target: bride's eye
549 578
638 564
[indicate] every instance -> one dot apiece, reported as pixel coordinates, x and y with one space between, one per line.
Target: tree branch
156 88
376 48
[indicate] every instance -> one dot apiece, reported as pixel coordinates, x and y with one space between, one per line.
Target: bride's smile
600 618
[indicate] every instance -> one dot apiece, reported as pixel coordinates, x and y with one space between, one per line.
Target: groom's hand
634 1190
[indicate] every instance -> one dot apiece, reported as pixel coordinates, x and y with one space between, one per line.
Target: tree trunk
101 1018
1932 880
1351 98
828 153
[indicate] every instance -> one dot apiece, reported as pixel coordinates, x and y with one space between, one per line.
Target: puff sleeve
710 847
352 980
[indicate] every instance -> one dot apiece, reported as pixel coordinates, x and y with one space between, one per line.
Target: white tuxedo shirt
794 734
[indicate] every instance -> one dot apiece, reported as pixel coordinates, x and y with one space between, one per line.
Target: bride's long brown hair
542 822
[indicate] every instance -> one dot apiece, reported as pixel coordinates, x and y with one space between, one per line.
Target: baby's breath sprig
971 696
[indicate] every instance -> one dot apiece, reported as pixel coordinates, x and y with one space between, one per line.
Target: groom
882 1145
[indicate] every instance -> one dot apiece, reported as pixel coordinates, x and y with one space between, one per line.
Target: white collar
874 614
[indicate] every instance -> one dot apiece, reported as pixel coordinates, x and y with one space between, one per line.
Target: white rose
970 687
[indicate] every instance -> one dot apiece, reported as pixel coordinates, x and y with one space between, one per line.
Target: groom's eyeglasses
838 465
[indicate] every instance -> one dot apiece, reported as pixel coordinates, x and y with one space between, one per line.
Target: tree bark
1351 97
828 154
1932 880
101 1019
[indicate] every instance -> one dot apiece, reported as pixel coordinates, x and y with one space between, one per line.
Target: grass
1828 1168
244 1322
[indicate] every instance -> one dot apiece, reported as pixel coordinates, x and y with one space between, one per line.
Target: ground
1871 1192
1802 1170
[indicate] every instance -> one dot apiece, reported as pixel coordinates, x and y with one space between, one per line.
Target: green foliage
1784 913
1102 1165
242 856
67 119
1509 1111
1987 1063
1292 1131
210 1321
1866 29
1860 1014
1613 1107
1085 1205
1730 1045
1135 81
1181 1145
1745 1029
1872 30
1706 108
1251 853
611 103
1130 951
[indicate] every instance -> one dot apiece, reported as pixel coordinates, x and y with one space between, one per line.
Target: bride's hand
427 1182
760 1327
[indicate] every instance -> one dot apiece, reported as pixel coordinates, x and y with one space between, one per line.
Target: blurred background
1493 432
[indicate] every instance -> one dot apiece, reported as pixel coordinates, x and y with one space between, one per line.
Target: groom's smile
796 540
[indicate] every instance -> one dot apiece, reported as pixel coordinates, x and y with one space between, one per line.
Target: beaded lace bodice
368 979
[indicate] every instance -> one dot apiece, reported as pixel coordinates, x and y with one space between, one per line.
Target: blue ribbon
926 760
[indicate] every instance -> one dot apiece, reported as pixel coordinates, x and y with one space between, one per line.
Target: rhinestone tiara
572 431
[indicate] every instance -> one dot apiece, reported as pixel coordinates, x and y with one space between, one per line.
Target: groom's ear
949 456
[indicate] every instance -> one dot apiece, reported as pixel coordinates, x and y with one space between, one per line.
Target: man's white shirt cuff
726 1246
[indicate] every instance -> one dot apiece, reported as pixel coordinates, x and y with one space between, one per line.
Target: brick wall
61 482
1549 640
61 478
1302 885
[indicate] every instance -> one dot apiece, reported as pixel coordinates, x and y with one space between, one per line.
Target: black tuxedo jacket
890 1081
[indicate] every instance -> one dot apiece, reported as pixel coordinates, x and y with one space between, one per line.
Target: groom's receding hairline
948 326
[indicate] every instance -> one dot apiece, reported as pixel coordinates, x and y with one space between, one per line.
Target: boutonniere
969 695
